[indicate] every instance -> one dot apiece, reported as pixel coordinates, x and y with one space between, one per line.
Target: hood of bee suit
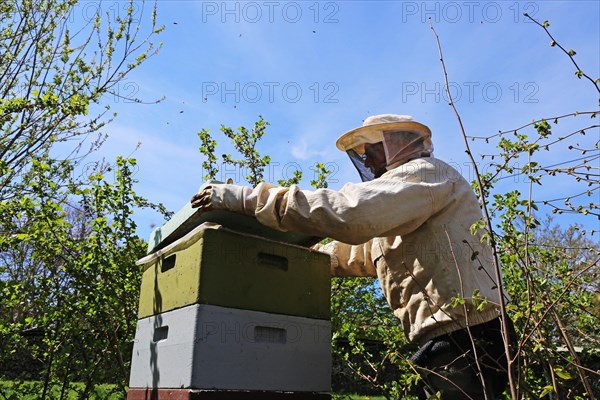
403 139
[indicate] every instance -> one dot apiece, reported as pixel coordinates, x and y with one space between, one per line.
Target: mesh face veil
403 146
359 162
403 139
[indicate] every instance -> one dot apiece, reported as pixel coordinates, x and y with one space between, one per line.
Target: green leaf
486 238
546 391
561 373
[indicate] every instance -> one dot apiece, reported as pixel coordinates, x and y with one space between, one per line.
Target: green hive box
229 269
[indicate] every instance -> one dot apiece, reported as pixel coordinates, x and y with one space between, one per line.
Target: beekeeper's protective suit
410 227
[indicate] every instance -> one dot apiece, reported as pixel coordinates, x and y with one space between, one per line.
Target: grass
31 390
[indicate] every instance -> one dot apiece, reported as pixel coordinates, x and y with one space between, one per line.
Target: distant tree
68 271
67 237
58 62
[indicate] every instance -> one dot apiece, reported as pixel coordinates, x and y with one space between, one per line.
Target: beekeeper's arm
349 260
354 215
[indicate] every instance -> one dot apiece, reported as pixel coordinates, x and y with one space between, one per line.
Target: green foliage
551 276
245 142
207 149
294 180
322 173
73 270
68 247
368 341
551 272
51 78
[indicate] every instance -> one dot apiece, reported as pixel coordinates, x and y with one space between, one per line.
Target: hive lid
189 218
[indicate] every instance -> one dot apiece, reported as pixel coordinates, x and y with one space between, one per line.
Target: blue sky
315 70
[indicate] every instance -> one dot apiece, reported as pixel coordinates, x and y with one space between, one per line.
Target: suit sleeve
387 206
349 260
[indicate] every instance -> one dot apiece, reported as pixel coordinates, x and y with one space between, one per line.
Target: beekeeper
409 224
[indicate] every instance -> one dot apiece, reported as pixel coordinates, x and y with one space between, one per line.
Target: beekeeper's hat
403 139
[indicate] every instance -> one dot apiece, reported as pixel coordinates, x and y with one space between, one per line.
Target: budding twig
486 217
569 53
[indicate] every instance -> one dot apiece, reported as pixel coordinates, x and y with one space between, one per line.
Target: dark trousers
448 365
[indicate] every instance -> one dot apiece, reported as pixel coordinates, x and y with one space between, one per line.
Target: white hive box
211 347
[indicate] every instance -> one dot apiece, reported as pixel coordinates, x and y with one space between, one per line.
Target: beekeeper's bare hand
202 199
